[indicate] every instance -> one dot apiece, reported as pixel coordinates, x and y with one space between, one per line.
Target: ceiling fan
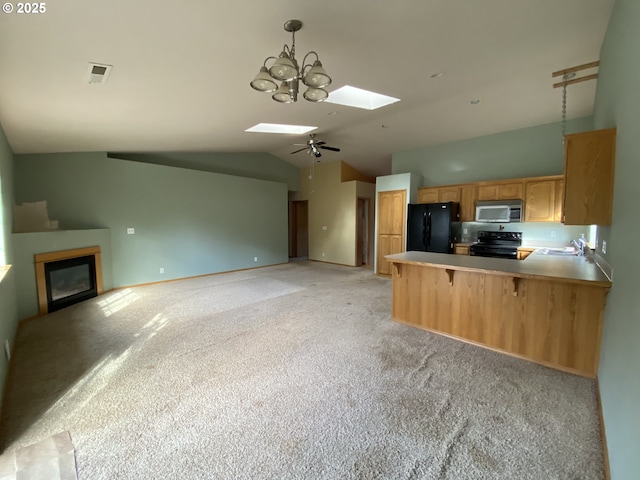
313 147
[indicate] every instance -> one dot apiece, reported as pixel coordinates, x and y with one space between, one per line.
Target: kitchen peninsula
548 309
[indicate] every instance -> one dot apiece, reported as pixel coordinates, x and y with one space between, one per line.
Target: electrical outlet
161 269
255 259
323 254
131 231
7 349
604 246
465 231
553 233
324 227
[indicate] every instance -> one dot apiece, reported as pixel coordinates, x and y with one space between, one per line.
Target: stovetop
499 238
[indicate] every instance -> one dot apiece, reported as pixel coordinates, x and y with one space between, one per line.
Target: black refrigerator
433 227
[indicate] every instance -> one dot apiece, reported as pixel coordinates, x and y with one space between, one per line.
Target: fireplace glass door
70 281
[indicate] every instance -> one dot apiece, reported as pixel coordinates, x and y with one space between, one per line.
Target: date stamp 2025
24 8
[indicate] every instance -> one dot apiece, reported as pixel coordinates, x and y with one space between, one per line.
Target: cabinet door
391 211
387 245
557 215
589 172
449 194
428 195
461 250
384 248
511 191
540 201
488 192
392 207
467 204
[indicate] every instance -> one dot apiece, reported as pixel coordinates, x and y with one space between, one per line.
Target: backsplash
538 234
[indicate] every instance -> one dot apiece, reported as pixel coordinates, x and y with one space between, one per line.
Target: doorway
299 229
363 234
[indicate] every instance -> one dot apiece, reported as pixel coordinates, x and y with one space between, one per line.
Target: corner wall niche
67 277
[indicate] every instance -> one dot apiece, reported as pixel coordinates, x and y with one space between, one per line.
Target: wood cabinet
524 252
589 172
439 195
501 191
540 201
451 194
428 195
468 203
557 217
461 249
392 207
551 320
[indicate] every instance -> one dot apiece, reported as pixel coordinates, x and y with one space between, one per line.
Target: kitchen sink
565 252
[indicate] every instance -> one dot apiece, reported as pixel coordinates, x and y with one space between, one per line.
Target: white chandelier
286 70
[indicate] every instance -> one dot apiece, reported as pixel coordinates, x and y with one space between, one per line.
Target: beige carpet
291 371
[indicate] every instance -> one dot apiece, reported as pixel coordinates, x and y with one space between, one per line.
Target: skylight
359 98
279 128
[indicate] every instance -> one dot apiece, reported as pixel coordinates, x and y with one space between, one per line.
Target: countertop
571 269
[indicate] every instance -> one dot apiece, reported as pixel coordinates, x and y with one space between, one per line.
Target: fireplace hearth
67 277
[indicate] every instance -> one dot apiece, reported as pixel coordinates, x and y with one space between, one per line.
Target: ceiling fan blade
333 149
299 150
298 144
321 142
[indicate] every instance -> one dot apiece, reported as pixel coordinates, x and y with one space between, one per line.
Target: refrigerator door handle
427 240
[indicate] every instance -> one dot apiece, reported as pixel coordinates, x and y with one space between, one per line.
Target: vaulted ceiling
181 73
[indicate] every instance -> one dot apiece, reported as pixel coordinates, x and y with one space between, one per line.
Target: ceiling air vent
98 73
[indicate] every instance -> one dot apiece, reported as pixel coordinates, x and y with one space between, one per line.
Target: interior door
362 237
299 229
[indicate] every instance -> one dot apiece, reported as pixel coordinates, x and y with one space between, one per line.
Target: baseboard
196 276
603 436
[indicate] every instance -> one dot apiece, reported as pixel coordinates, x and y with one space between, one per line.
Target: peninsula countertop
569 269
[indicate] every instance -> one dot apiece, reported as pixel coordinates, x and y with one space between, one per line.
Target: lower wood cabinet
388 244
524 252
461 249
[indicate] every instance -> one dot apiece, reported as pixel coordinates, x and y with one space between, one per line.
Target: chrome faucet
580 245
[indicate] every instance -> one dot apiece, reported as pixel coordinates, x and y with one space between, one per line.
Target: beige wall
332 212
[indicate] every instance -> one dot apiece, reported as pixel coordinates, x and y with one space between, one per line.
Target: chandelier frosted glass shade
315 94
282 95
264 82
316 76
284 69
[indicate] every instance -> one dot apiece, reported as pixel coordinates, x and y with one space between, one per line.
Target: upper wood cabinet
589 171
559 199
541 202
428 195
468 203
501 191
439 195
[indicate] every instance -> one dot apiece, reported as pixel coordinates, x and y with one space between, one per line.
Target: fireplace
67 277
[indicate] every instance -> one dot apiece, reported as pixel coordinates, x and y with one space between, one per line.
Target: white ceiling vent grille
98 72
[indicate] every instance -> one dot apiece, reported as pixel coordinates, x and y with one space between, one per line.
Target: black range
497 244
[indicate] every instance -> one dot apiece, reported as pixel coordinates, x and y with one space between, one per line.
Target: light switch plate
131 231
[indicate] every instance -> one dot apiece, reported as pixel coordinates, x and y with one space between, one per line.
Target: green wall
8 305
262 166
618 105
527 152
187 222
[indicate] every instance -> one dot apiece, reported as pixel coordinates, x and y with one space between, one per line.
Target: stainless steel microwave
499 211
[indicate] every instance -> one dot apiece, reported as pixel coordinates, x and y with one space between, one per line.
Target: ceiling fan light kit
312 146
285 69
